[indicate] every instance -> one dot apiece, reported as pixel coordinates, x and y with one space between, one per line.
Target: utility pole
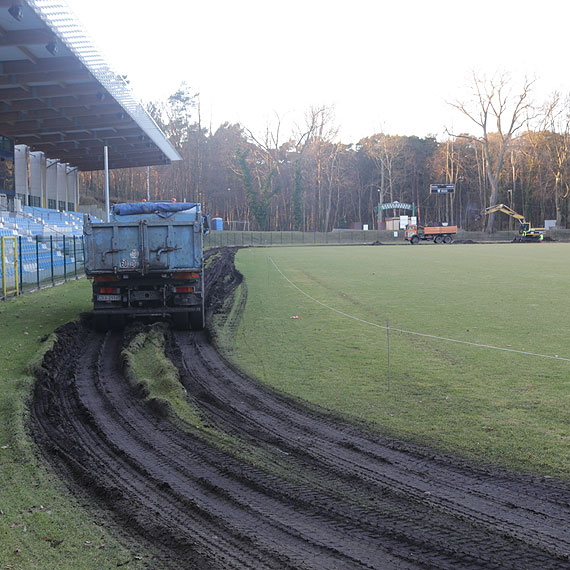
106 161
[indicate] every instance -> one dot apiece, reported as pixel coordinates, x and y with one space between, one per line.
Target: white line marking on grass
425 335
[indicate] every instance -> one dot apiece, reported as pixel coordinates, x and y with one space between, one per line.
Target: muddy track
325 493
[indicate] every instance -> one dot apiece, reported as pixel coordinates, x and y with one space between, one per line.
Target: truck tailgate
143 247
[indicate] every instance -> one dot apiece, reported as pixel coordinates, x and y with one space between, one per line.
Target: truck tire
437 239
447 239
181 320
100 323
197 320
414 240
116 322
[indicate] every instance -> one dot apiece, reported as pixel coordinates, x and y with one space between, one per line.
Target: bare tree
300 143
557 125
494 103
386 151
321 155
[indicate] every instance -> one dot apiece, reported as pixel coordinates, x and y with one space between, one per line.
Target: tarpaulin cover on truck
163 209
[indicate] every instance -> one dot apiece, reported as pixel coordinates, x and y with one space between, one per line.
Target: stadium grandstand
63 110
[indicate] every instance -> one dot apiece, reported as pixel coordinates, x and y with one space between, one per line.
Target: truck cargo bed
429 230
143 246
147 261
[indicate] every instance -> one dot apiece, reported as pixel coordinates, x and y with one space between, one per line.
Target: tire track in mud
327 495
474 509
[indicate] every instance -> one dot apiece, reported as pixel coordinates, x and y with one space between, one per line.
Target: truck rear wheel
100 323
181 321
415 240
116 322
437 239
197 320
447 239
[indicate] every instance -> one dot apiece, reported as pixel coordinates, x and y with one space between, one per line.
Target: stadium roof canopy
58 95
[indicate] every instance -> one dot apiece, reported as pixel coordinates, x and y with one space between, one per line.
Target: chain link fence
346 237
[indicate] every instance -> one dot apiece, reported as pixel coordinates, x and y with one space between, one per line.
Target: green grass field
486 404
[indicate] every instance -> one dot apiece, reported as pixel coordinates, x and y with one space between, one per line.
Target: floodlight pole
106 160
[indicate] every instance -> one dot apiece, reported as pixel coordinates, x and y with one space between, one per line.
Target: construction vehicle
526 232
147 262
438 234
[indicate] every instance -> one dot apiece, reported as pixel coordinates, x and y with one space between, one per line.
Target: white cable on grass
412 332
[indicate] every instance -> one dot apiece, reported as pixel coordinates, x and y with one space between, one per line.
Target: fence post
51 258
20 263
3 261
75 255
38 261
17 285
64 261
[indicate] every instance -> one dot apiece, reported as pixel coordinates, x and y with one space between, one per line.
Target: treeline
313 182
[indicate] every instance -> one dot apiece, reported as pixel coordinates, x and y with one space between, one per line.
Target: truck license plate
108 297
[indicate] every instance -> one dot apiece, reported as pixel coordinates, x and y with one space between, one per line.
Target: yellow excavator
526 232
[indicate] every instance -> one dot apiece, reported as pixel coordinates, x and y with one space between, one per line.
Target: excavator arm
506 210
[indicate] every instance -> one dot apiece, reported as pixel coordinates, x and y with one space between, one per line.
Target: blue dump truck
147 262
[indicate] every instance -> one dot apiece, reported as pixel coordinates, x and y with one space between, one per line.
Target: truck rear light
183 289
105 278
109 290
187 275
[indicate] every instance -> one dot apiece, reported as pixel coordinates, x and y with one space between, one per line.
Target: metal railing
33 263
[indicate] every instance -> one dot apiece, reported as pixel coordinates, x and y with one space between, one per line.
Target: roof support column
106 160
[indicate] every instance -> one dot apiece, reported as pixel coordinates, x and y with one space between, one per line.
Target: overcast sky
384 66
